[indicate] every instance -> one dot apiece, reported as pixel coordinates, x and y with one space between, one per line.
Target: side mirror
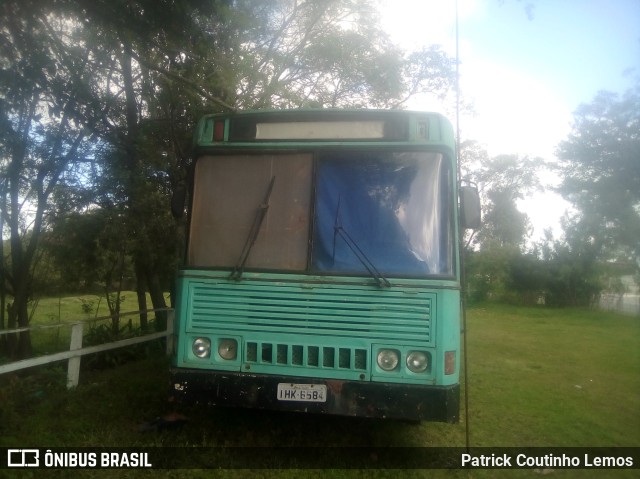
177 201
470 213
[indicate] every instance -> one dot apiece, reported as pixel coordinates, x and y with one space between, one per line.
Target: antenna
463 279
458 90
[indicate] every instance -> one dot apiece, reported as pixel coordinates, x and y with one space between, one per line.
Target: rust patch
335 386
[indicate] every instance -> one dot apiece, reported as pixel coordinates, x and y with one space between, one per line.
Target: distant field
73 308
538 377
70 309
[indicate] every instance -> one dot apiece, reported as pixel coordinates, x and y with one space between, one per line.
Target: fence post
169 337
73 367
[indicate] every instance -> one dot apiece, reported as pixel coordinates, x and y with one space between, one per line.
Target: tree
99 99
162 64
153 70
42 133
502 181
491 251
331 53
90 252
600 165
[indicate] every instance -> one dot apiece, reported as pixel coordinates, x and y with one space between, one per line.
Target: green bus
322 266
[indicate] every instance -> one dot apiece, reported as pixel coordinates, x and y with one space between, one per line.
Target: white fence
76 351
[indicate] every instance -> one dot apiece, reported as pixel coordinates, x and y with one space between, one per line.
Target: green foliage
503 223
502 181
90 250
567 272
600 166
488 273
330 54
497 267
87 306
106 333
563 275
43 132
574 272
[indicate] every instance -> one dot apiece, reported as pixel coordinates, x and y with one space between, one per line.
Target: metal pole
465 350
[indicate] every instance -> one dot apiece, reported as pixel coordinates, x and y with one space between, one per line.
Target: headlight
201 347
228 348
388 359
417 361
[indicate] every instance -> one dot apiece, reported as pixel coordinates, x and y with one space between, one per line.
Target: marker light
449 362
417 361
388 359
201 347
218 130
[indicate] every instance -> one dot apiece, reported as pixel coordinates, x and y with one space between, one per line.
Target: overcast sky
526 70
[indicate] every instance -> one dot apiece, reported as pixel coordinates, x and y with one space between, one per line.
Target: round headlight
417 361
201 347
228 348
388 359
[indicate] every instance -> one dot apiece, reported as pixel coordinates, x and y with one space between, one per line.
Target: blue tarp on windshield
391 205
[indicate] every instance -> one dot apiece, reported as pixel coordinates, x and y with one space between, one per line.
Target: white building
626 302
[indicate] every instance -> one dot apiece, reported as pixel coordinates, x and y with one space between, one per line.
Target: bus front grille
319 310
316 330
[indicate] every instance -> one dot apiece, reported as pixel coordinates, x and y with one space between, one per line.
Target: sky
525 70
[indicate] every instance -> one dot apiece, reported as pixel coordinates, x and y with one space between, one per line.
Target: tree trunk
21 311
3 296
157 299
11 342
141 291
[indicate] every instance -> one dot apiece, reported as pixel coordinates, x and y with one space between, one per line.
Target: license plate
302 392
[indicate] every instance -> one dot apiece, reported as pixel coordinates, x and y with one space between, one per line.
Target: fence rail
76 351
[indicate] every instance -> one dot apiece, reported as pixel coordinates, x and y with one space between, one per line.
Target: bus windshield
393 207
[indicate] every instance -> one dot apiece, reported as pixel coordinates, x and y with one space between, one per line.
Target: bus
322 265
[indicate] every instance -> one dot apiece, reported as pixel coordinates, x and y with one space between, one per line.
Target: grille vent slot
325 357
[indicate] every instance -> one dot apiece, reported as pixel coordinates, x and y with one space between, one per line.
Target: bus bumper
346 398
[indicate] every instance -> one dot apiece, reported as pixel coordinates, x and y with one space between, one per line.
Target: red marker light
218 131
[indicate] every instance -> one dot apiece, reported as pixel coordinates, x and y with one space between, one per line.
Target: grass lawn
561 377
538 377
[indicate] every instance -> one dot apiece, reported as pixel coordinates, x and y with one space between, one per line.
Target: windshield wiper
338 229
253 233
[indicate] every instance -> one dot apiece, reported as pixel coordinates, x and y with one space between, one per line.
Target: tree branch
183 80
